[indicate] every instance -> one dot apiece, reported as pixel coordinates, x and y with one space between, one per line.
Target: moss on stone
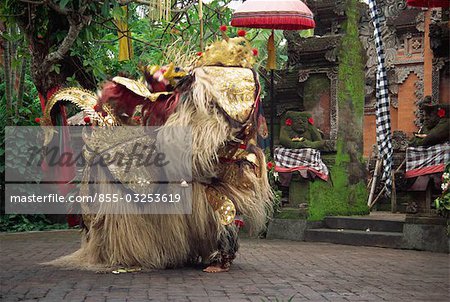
291 213
298 190
314 87
346 194
337 199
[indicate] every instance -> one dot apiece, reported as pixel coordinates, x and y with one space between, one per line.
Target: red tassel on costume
44 100
239 221
65 173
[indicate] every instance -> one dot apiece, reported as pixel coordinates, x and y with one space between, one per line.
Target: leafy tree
47 44
75 41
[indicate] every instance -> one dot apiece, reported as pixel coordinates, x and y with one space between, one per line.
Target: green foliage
273 179
28 112
155 42
18 138
96 47
25 223
443 202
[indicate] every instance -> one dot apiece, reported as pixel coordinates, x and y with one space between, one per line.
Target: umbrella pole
272 110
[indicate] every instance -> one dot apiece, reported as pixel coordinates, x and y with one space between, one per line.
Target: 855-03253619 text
97 197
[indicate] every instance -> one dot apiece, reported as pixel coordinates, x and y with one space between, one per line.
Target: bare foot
216 268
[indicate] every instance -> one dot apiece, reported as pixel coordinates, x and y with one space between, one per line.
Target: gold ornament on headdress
171 74
231 52
84 100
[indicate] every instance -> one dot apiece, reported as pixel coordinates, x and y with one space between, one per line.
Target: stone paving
265 270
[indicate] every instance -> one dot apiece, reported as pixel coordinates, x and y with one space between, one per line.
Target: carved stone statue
297 131
436 125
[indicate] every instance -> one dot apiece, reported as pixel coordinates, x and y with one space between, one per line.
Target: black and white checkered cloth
426 160
383 116
290 160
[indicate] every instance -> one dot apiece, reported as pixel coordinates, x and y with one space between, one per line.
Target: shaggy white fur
161 241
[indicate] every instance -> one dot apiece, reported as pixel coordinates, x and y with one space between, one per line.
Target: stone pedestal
426 233
298 191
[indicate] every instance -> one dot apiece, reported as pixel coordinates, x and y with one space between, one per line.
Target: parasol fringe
279 22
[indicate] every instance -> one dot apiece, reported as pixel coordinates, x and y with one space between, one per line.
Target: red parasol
428 3
269 14
273 14
284 14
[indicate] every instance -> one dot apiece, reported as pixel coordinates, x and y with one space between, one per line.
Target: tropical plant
443 202
273 181
47 44
24 223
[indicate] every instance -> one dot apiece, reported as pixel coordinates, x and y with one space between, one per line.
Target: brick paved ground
264 271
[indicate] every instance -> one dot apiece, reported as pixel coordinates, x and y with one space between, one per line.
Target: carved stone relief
419 97
339 7
412 44
283 107
331 55
438 63
403 72
399 141
303 75
335 27
390 43
392 8
420 22
394 101
332 74
436 15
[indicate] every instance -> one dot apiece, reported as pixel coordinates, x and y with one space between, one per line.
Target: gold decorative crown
231 52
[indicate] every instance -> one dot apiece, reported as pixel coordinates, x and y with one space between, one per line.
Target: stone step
362 224
354 237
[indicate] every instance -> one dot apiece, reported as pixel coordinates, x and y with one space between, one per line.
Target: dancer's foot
216 268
